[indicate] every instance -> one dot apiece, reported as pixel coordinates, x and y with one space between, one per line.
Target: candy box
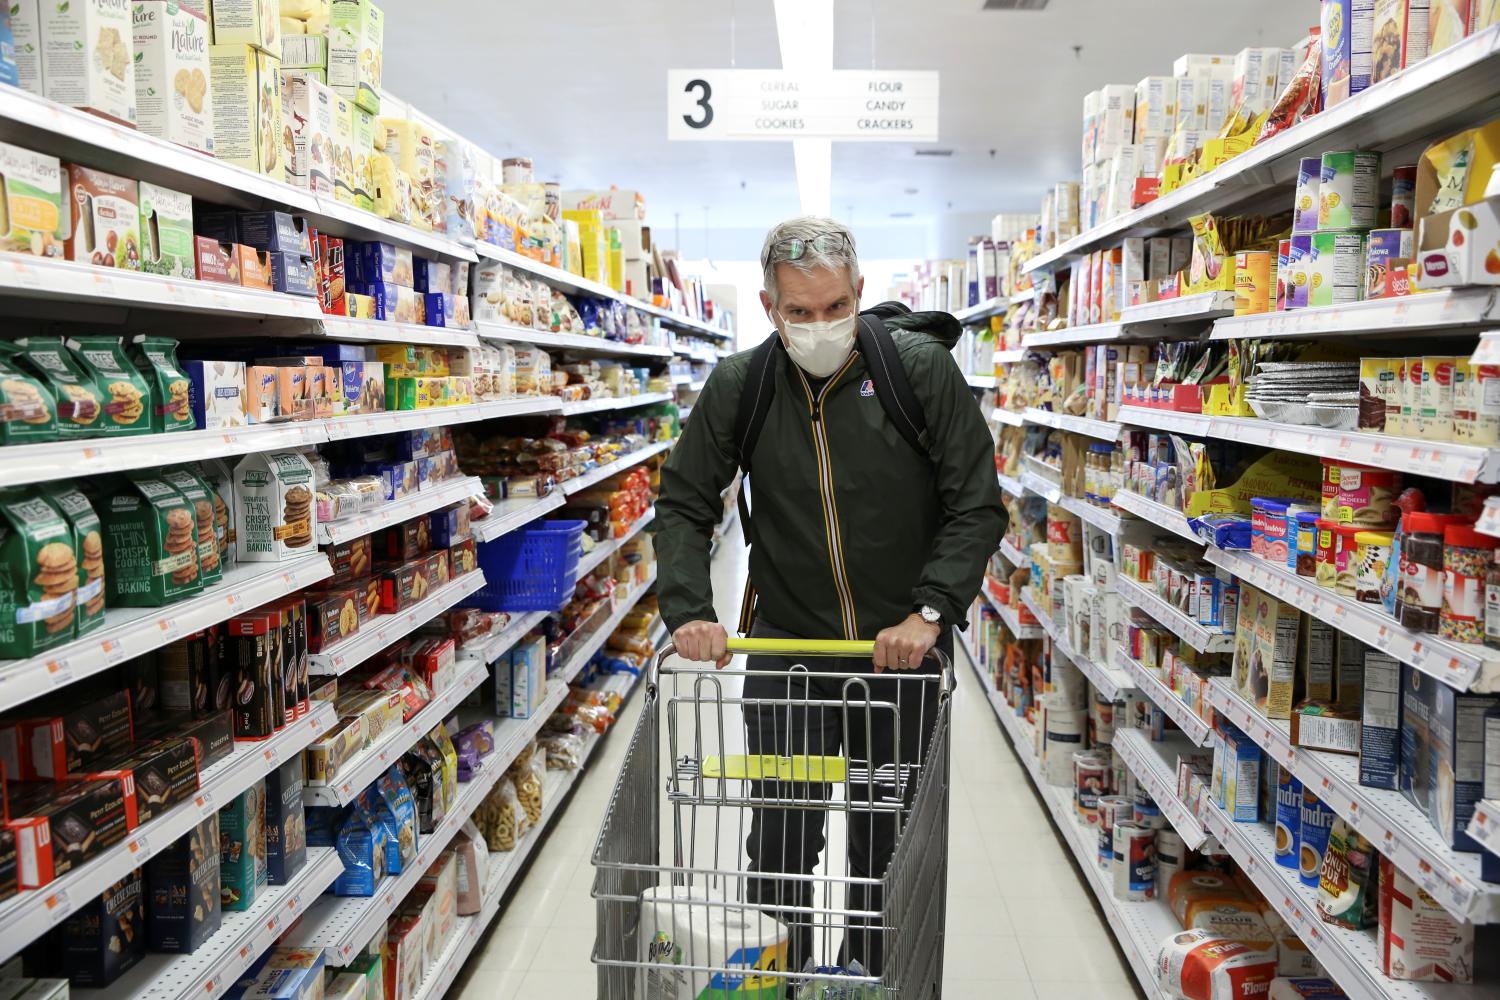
104 219
33 220
275 516
242 848
58 827
250 654
172 73
286 826
150 542
184 907
216 393
247 117
88 57
356 31
124 392
307 108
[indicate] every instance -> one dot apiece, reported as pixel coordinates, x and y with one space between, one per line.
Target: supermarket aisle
1020 922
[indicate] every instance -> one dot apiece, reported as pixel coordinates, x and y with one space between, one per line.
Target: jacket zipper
830 505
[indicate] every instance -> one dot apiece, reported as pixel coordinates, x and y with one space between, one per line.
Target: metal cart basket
738 913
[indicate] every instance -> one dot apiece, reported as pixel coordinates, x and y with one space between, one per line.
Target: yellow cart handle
804 647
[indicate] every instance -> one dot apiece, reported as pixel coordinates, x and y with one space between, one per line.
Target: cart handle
805 647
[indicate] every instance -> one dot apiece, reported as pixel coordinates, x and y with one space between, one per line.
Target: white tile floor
1020 925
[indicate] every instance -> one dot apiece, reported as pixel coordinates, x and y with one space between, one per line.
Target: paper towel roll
680 926
1063 730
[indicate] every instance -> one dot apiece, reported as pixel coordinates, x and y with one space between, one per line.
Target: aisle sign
844 104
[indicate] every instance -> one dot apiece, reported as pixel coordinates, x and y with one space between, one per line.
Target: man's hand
701 642
903 647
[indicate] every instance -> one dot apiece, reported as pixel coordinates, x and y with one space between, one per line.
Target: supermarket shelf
1008 417
382 630
1139 927
981 381
583 343
370 763
1155 513
393 421
342 925
614 403
1102 518
344 328
129 632
1350 956
1194 727
1014 355
603 550
1445 309
441 494
1012 554
983 310
1201 307
36 910
1009 615
1438 459
488 649
1093 333
1011 485
240 940
634 458
509 515
33 122
1460 665
1034 483
595 642
1111 682
1023 296
1412 105
1177 621
1485 826
1104 430
1154 765
55 280
1395 826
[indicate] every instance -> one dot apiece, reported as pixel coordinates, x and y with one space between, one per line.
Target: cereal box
246 92
38 577
276 518
125 394
104 227
248 22
1400 37
171 73
356 31
166 232
88 57
31 210
151 543
307 109
1449 23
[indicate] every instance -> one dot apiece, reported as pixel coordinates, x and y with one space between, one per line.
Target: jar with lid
1419 604
1466 557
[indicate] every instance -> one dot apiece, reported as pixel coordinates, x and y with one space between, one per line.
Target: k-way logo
867 387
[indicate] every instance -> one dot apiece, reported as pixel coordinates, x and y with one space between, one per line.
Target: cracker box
150 542
88 546
248 22
166 232
281 232
307 108
306 53
1442 734
170 408
183 892
344 180
277 518
88 57
33 220
104 227
362 143
124 392
247 117
216 261
172 89
78 404
356 31
255 268
201 496
292 274
242 849
26 39
286 826
216 393
105 937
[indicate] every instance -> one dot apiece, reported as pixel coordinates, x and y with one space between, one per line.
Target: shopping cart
712 924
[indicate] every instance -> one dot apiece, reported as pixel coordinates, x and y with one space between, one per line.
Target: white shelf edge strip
1196 728
382 630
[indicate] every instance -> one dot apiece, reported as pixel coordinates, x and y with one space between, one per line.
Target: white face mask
819 348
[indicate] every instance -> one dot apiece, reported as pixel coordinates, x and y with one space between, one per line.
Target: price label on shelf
57 906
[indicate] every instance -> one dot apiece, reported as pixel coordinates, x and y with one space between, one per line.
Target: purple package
473 744
1297 284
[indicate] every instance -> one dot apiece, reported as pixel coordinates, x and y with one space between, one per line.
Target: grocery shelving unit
1008 417
603 550
382 630
1198 636
1111 682
1011 485
1448 310
1154 765
442 493
581 343
595 642
984 310
1011 553
509 515
1009 615
1104 430
1195 727
1156 514
621 464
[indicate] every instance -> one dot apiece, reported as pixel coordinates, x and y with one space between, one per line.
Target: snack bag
79 407
38 578
156 359
28 413
124 391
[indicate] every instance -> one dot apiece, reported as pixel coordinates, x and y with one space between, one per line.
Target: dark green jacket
851 527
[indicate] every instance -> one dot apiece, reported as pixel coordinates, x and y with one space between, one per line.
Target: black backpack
875 343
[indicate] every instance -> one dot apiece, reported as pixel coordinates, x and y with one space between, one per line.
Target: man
859 528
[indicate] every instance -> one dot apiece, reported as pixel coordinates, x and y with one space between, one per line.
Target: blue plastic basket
532 569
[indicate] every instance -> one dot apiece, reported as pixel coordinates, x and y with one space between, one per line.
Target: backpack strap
756 395
891 384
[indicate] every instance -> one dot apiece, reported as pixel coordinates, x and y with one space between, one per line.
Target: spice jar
1466 557
1374 551
1419 604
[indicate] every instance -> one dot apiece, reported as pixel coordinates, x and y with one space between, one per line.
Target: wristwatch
930 615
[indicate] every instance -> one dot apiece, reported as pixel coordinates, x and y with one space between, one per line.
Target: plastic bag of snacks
526 774
500 817
564 750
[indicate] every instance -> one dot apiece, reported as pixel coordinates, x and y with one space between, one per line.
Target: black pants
790 840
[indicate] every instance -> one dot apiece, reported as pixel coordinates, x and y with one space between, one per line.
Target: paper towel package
680 926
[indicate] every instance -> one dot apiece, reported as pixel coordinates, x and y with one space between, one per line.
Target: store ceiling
580 87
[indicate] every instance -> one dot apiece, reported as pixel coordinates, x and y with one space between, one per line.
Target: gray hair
807 228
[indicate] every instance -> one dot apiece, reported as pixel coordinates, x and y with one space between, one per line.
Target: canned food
1336 268
1348 190
1381 248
